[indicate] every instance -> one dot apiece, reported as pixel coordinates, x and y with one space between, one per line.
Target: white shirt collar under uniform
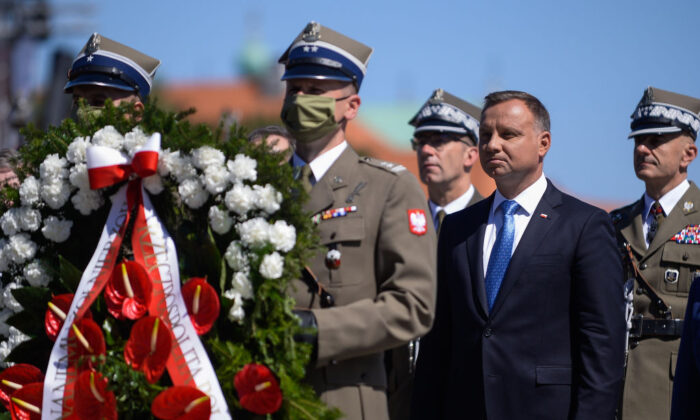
323 162
527 200
453 206
668 202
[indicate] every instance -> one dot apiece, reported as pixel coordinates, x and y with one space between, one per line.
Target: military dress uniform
670 264
441 113
378 257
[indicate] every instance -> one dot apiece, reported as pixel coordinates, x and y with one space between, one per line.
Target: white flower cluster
15 338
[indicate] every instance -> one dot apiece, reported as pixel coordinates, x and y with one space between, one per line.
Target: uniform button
640 291
334 362
685 257
643 266
488 332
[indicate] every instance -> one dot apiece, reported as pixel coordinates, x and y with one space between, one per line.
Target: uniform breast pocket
681 263
346 235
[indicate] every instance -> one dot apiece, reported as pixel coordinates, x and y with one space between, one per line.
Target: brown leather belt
650 327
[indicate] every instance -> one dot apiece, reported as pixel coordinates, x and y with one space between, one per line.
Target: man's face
661 157
97 95
442 157
342 92
511 144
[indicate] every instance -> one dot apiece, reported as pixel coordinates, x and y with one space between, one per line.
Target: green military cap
104 62
322 53
447 113
661 111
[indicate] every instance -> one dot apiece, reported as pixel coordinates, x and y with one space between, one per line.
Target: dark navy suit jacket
686 382
553 345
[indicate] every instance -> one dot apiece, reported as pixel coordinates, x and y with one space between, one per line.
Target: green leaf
32 299
69 274
29 322
34 351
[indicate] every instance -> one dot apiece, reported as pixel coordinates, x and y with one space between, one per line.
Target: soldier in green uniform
445 138
378 258
105 69
655 234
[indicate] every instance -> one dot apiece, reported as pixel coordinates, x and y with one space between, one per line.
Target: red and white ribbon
155 250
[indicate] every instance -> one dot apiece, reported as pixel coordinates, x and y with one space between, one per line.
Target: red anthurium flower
25 403
128 292
15 377
258 390
202 304
148 347
85 339
181 403
56 313
92 398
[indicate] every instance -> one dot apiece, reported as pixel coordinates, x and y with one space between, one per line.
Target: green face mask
309 117
85 113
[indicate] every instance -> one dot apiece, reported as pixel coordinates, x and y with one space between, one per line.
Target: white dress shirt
453 206
322 163
668 202
527 200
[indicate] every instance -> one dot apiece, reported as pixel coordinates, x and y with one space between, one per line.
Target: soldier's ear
690 152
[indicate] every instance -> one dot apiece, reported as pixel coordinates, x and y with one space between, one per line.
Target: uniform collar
322 163
669 200
455 205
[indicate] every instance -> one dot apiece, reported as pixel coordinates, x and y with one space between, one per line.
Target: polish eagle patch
417 222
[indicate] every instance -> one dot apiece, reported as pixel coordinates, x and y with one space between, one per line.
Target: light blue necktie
501 252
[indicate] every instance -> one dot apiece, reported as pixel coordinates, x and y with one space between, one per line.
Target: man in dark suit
530 312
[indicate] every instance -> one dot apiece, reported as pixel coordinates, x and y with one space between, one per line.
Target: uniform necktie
657 213
501 252
440 217
306 176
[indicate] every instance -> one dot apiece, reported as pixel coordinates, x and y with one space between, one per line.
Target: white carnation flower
182 168
17 337
20 248
77 150
254 233
86 201
219 220
29 191
9 300
236 313
29 218
235 257
193 193
242 285
272 266
134 140
153 184
55 192
4 256
165 161
36 275
56 230
267 198
240 199
283 236
4 328
207 156
242 168
5 351
78 176
108 136
216 178
53 167
10 222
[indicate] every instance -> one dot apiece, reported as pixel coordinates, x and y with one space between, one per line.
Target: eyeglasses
436 141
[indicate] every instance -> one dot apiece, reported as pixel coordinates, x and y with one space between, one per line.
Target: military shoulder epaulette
382 164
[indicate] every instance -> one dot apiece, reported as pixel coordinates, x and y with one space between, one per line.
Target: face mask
309 117
85 113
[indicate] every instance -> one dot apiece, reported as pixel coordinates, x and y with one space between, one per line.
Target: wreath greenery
257 330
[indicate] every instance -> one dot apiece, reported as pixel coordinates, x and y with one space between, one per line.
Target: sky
587 61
